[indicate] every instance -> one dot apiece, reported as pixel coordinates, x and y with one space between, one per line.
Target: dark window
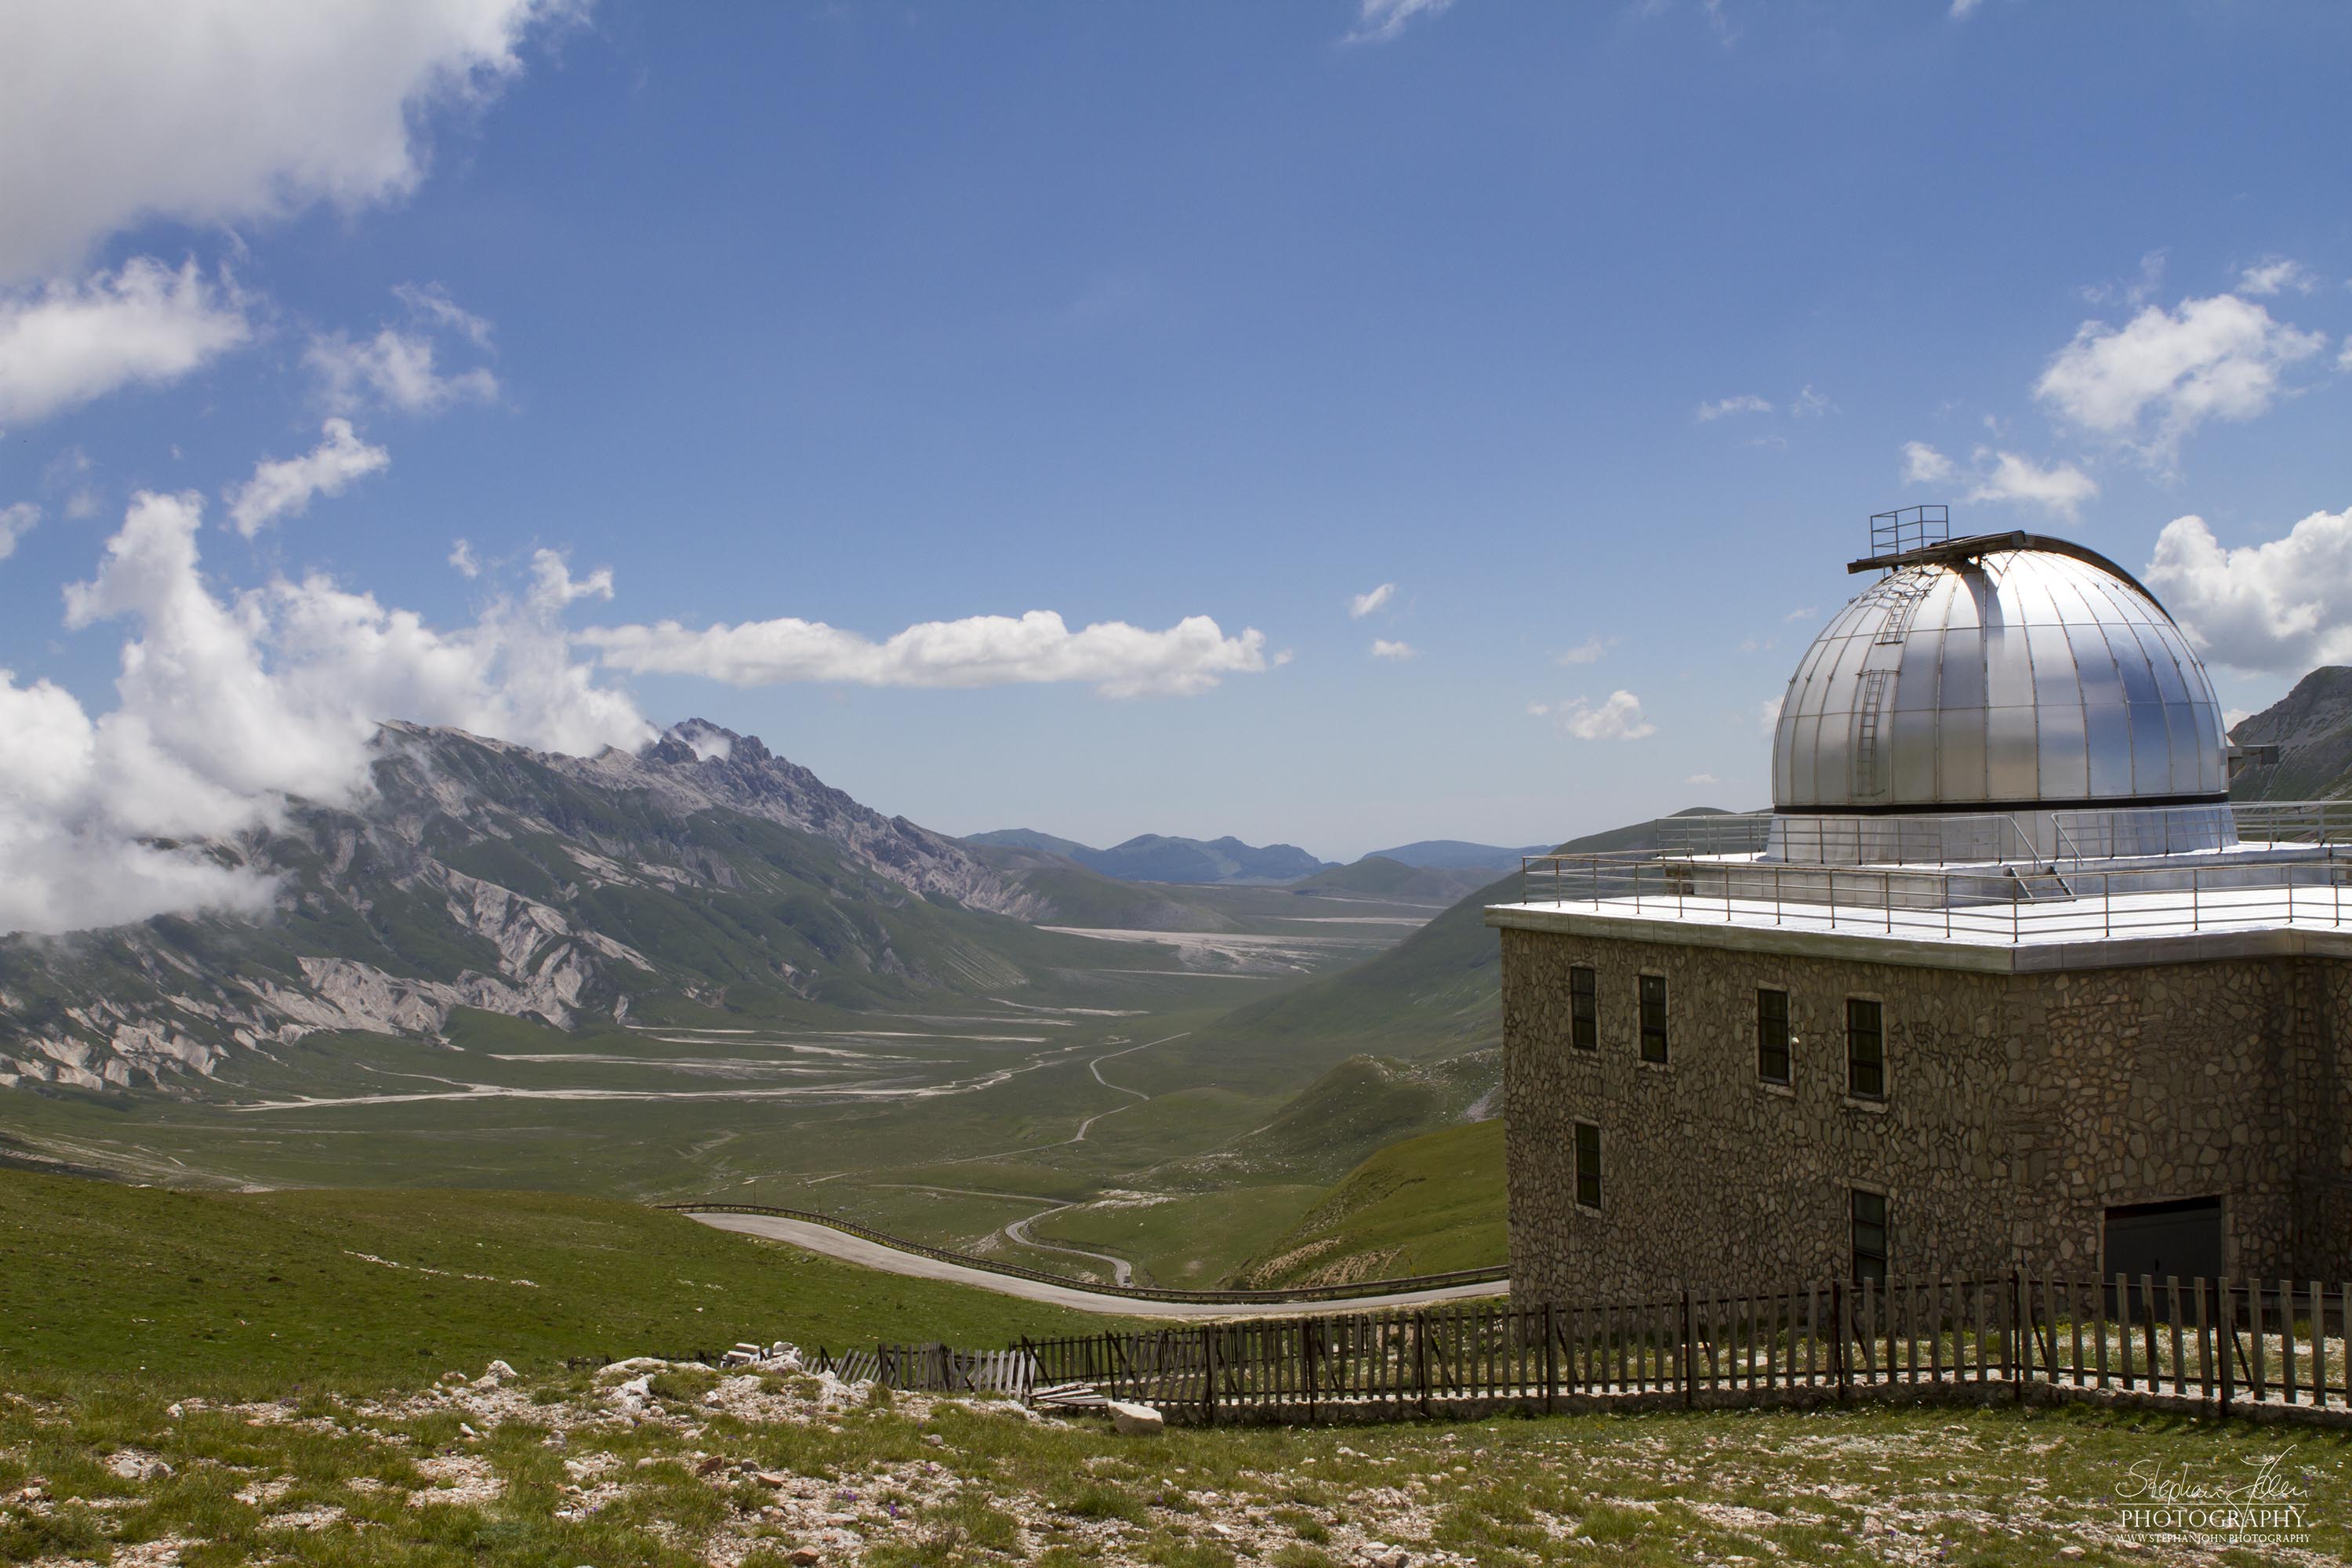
1587 1164
1773 1035
1583 1009
1869 1237
1654 1017
1865 1050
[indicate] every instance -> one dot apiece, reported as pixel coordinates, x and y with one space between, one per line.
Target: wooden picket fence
933 1368
2227 1345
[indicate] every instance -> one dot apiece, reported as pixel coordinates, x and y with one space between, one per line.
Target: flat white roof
2172 925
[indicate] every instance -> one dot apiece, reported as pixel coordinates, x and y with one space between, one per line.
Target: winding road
874 1255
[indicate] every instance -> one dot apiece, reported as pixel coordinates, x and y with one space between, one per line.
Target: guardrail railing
2013 903
1136 1292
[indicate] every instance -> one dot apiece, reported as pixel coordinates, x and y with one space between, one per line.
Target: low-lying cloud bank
1116 659
228 705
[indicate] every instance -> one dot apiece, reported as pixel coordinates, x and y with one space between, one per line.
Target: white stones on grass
1129 1420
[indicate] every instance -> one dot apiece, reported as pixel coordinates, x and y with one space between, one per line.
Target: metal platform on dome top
1976 546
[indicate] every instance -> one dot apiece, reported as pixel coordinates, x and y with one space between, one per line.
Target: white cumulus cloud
143 324
1363 604
1617 719
1741 403
1383 648
1116 659
2060 487
1923 464
394 369
1378 21
284 487
228 705
461 556
16 521
2162 375
114 111
2281 607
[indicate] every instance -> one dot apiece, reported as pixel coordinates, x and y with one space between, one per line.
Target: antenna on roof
1913 528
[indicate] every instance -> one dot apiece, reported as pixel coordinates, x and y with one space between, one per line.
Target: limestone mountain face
703 869
2312 728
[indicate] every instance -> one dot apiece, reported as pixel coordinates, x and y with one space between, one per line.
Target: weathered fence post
1838 1308
1421 1357
1683 1356
2018 1369
1551 1367
2225 1334
1209 1372
1306 1338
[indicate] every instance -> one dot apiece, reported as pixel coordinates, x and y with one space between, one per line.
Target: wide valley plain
1110 1123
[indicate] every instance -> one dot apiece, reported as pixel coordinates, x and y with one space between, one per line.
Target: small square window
1773 1035
1869 1237
1654 1017
1588 1165
1865 1050
1584 1009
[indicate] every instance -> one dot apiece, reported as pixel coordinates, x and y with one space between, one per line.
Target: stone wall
2019 1108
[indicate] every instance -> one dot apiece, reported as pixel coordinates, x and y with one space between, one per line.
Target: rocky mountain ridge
702 870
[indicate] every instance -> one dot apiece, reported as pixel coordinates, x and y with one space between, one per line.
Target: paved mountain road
873 1255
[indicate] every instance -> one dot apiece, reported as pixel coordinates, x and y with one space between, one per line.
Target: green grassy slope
274 1288
1422 1206
1435 993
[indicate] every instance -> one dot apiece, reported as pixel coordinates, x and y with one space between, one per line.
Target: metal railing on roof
2073 837
2294 874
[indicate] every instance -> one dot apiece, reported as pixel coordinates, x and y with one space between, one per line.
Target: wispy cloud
284 487
2060 487
16 521
1378 21
392 370
143 324
1803 613
1923 464
1363 604
1116 659
1383 648
2277 274
1619 718
1739 403
1589 651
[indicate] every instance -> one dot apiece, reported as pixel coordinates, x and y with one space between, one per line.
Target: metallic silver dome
2038 677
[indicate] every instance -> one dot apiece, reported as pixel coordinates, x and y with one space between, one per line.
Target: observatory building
2003 979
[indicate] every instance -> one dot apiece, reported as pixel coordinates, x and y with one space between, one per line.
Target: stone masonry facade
2017 1108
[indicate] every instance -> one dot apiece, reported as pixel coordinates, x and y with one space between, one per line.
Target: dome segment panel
2022 678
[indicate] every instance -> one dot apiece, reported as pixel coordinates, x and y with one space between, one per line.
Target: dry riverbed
658 1464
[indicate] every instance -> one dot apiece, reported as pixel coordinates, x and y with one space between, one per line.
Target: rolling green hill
1394 879
1424 1205
364 1289
1436 993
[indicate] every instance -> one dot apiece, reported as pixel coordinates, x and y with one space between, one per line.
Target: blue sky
1597 330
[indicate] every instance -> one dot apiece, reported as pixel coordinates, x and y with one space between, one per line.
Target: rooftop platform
2268 897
